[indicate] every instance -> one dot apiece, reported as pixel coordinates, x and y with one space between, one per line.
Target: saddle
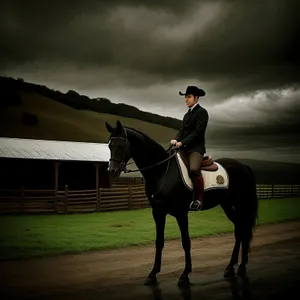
207 162
215 177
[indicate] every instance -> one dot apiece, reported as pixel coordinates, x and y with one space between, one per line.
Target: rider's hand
173 142
178 144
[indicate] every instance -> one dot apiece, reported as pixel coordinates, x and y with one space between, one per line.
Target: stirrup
195 205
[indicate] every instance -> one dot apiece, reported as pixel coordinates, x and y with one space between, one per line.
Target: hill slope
61 122
9 86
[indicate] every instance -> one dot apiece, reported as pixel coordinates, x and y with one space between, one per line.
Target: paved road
273 271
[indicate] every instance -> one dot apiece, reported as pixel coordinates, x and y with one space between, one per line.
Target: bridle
123 165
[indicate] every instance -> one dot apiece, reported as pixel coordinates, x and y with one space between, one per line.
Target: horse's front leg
160 222
183 223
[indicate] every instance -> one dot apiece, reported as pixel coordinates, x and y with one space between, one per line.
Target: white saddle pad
212 179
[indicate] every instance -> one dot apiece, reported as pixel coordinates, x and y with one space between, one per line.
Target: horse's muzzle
114 172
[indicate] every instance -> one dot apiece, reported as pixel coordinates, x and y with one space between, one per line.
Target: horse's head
119 149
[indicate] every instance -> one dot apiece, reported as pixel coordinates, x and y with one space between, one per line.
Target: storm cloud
243 53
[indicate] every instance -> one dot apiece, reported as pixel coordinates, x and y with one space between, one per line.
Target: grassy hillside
61 122
9 87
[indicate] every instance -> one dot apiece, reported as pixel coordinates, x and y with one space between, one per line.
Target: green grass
27 236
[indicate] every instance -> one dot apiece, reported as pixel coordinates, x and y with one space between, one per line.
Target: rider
191 137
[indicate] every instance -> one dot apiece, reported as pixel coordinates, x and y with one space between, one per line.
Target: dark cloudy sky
243 53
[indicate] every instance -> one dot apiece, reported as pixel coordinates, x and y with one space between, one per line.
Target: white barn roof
53 150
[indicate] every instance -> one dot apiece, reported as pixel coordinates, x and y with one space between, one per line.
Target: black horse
168 194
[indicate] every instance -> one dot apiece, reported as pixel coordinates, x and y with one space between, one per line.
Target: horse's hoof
150 281
184 280
229 272
241 271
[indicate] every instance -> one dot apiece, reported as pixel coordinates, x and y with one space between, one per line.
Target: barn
51 164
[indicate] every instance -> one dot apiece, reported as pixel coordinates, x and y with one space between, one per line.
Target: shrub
30 119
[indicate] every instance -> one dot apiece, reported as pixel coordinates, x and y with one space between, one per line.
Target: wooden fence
119 197
267 191
67 201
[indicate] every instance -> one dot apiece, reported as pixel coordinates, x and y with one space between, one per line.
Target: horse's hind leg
231 215
160 222
245 251
229 271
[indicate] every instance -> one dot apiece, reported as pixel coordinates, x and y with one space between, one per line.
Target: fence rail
265 191
118 197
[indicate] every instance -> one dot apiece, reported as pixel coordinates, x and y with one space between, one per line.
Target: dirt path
122 272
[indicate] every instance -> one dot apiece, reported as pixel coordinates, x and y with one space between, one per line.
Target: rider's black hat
194 91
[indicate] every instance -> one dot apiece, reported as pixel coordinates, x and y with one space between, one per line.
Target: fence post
99 199
22 199
66 198
129 197
55 202
272 191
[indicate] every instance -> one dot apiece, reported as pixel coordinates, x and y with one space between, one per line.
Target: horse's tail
249 209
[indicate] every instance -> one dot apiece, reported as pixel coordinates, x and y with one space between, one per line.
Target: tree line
83 102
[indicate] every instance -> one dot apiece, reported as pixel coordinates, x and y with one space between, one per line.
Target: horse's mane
148 139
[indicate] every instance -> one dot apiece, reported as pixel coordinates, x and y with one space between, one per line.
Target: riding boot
198 202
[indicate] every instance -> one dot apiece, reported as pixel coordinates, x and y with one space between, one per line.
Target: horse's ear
119 126
108 127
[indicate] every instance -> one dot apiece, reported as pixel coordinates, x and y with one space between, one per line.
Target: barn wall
77 175
104 178
81 175
32 174
40 174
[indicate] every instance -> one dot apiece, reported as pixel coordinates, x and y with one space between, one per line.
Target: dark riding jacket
192 130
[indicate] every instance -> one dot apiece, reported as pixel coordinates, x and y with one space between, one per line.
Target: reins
123 165
151 166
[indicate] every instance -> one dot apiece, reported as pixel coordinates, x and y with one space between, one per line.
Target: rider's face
190 100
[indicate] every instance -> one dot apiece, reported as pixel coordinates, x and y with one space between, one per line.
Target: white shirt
191 108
